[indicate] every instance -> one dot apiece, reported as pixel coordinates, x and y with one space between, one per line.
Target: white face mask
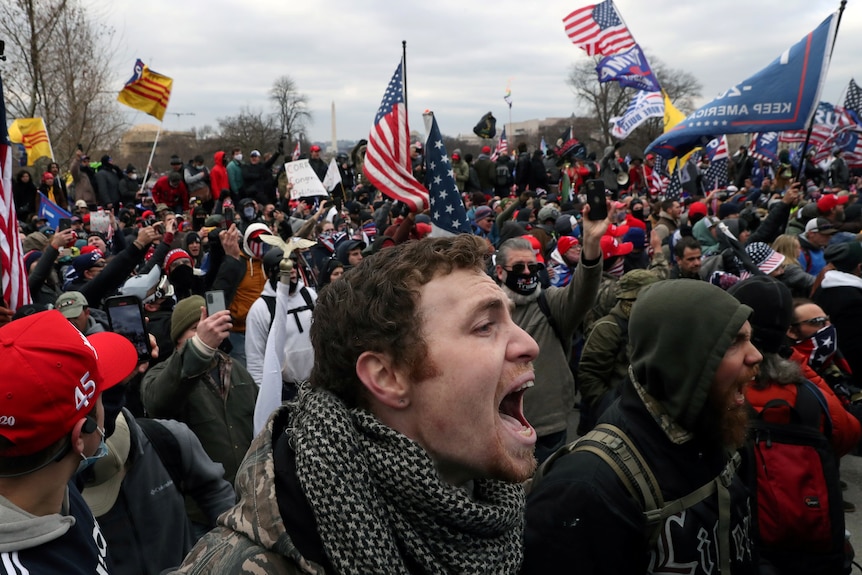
238 157
133 176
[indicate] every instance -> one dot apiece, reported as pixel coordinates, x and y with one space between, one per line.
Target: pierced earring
402 401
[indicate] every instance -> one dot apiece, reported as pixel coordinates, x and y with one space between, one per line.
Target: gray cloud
224 55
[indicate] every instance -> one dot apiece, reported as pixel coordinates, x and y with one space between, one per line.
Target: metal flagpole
814 115
152 153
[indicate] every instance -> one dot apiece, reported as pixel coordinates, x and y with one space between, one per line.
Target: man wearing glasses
551 317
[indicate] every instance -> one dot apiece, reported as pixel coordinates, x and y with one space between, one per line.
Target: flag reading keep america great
387 158
448 216
598 29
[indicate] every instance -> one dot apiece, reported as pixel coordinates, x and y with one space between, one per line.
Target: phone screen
126 318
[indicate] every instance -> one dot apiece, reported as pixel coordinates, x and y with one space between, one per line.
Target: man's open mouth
512 410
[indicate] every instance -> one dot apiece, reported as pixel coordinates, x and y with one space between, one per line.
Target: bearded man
683 408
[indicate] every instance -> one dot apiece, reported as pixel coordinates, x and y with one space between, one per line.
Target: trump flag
782 96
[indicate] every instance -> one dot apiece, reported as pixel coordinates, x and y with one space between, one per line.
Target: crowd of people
371 399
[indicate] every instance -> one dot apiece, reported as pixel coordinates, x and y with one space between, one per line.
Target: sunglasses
520 269
814 321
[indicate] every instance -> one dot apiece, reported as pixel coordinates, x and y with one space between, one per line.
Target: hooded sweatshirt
69 542
218 176
676 362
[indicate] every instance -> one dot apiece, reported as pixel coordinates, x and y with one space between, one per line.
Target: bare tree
250 129
291 108
60 70
604 101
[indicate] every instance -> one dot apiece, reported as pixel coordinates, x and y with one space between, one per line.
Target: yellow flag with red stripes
147 91
31 132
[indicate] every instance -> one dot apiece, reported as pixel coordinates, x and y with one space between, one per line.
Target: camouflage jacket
250 538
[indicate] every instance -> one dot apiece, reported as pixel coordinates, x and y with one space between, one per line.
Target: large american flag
448 216
387 158
13 278
502 146
598 29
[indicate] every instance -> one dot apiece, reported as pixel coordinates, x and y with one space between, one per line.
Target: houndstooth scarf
380 505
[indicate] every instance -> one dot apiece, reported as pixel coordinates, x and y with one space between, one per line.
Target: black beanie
772 303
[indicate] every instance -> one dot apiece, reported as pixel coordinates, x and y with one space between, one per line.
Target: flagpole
404 72
50 147
814 115
152 153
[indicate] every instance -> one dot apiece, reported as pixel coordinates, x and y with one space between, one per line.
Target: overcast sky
224 55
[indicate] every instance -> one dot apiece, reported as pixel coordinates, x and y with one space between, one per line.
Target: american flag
297 151
448 216
834 126
387 158
598 29
13 277
674 187
853 100
502 146
716 174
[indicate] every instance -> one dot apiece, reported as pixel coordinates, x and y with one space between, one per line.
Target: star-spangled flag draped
387 158
630 69
853 99
598 29
147 91
13 277
448 216
782 96
715 176
502 146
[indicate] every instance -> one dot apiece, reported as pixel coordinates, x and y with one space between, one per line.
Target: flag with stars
387 158
782 96
502 146
448 216
13 274
674 187
853 100
598 29
715 176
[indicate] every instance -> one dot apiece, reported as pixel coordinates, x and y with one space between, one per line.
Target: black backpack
792 474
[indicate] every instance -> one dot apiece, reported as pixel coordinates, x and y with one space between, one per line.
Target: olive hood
679 331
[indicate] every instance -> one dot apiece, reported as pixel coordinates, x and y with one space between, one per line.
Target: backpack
792 475
502 175
270 303
167 448
615 448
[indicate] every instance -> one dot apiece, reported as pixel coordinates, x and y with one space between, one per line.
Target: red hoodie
218 176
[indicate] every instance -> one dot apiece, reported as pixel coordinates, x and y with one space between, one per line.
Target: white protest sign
305 182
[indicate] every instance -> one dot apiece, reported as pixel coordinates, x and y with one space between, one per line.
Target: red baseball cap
611 247
537 247
828 202
52 376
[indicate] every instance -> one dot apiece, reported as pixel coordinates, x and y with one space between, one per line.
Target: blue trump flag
448 216
630 69
764 146
51 211
782 96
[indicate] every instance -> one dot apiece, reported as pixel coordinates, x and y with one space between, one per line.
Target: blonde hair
788 246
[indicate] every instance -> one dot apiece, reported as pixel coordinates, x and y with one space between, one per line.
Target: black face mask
182 279
522 284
